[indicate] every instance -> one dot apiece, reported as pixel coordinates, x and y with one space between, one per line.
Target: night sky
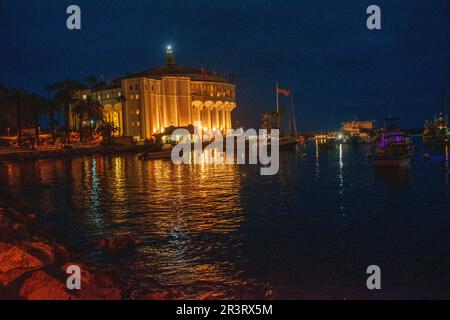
337 68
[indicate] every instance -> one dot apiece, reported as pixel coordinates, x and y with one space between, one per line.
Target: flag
285 92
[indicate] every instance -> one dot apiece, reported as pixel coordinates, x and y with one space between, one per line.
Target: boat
273 120
394 148
356 132
288 143
436 131
156 155
165 153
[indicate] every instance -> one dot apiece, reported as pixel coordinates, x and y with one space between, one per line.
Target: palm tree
66 96
80 110
4 106
52 108
94 113
107 129
18 99
37 108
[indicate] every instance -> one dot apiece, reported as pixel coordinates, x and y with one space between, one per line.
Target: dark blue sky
337 68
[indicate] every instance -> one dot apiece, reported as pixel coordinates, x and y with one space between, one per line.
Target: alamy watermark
236 146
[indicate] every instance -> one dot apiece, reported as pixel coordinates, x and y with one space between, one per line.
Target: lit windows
138 123
131 97
138 111
137 97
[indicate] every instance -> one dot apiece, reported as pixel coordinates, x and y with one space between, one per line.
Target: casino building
146 103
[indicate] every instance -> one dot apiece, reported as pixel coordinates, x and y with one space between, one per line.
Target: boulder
41 286
20 231
62 254
95 284
42 250
14 262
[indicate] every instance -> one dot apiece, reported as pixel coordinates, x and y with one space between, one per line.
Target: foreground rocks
33 266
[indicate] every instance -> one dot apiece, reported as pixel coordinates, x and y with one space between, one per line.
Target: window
131 87
137 97
132 124
119 94
107 96
138 123
131 97
136 87
138 111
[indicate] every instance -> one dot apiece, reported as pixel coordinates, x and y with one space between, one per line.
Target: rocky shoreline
33 265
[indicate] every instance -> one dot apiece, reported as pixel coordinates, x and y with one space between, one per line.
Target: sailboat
273 120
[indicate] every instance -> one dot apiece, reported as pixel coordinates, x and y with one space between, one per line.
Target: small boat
288 143
166 154
394 149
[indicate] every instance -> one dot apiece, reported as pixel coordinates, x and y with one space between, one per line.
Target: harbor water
225 231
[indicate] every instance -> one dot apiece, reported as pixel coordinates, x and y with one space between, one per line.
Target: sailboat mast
278 107
276 90
292 110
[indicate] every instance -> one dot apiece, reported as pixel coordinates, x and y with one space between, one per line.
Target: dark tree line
21 109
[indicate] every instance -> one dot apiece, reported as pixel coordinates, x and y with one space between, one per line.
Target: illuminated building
146 103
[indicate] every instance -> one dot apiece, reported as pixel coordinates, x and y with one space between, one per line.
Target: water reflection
224 231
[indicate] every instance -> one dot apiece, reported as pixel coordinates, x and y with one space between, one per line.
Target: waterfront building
147 103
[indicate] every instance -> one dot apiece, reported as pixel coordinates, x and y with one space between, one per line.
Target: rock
116 244
42 250
41 286
62 254
14 262
95 285
20 231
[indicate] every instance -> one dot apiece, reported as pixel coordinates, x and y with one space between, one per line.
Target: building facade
144 104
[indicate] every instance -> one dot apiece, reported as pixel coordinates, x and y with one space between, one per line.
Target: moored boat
394 150
166 154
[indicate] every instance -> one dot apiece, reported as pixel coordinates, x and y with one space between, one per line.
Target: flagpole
278 107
